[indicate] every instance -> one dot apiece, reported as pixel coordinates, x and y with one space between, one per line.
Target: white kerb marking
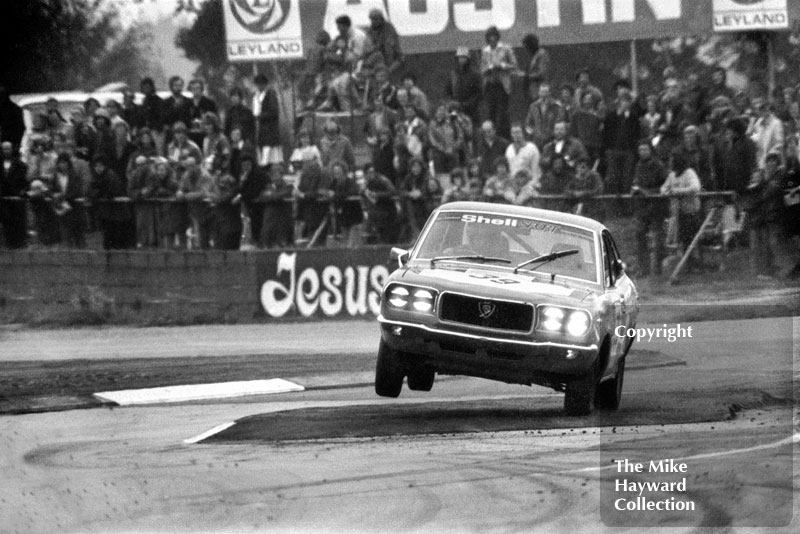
208 433
221 390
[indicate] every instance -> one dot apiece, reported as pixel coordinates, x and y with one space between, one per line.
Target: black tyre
609 393
389 373
421 378
579 395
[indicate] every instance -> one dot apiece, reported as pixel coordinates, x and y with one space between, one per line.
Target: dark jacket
105 187
466 87
241 117
621 132
269 120
152 112
736 163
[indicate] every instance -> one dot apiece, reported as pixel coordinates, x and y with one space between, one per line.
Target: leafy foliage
51 45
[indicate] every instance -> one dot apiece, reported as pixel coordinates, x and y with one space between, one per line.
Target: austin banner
263 29
323 282
442 25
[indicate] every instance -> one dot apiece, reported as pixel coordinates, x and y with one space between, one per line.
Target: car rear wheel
579 395
421 378
609 393
389 372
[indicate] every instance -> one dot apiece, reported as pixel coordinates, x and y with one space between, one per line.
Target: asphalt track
470 456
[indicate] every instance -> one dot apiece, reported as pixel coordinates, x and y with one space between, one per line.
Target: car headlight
422 300
574 323
398 297
578 323
411 298
553 318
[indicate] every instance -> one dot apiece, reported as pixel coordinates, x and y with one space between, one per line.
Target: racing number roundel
260 16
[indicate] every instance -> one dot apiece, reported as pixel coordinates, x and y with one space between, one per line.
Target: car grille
486 313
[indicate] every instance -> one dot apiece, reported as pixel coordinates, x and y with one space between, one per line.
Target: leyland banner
263 29
749 15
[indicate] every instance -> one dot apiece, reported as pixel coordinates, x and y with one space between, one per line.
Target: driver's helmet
486 240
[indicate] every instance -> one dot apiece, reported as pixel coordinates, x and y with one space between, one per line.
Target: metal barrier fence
600 207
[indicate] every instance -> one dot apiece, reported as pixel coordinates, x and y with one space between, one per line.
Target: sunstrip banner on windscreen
283 29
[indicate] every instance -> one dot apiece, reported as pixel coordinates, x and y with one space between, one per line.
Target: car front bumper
488 356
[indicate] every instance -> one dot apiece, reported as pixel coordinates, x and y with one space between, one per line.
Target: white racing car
509 293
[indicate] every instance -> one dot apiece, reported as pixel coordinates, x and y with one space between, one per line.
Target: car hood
501 284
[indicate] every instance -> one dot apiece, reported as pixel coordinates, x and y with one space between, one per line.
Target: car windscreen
513 238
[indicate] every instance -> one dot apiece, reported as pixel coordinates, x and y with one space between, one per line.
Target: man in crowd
464 85
521 155
621 136
266 110
199 105
542 116
498 62
766 131
152 112
335 146
176 108
385 40
489 147
13 185
562 146
649 212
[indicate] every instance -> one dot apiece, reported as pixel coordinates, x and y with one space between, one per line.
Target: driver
485 240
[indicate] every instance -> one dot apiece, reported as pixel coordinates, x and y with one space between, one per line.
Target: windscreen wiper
547 258
470 257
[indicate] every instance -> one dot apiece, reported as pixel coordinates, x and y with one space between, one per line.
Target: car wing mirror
399 254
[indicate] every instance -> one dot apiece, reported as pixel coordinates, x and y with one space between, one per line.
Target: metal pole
634 68
770 66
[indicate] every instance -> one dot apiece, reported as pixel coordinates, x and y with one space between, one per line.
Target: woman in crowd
305 151
120 157
112 207
216 148
347 206
170 221
252 180
277 228
497 184
197 188
683 184
41 171
313 193
380 205
141 190
446 141
417 190
458 187
696 155
66 195
228 215
239 116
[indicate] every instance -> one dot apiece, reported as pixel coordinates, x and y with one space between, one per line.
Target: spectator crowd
186 171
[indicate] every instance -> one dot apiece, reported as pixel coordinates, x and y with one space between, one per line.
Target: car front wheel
421 378
389 372
579 395
609 393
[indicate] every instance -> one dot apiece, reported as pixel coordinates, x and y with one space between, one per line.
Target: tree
51 45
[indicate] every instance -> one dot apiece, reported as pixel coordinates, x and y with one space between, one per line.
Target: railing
599 206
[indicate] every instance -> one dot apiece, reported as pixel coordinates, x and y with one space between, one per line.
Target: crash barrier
47 215
191 286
